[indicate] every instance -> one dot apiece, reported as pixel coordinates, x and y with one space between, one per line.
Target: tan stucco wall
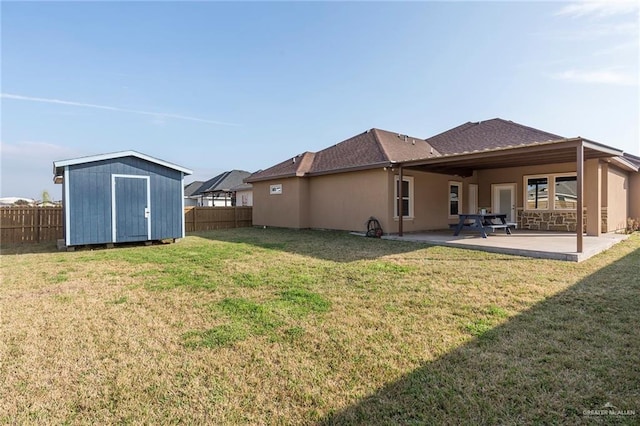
282 210
431 201
514 175
634 195
617 198
345 201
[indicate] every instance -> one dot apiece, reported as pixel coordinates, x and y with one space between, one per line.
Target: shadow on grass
26 248
574 352
337 246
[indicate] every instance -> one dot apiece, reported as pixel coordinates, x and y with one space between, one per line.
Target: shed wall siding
90 199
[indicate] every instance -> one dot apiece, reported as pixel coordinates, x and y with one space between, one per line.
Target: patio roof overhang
576 150
560 151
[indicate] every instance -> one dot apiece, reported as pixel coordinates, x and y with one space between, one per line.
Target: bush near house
265 326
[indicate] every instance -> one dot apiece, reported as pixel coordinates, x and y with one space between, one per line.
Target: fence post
235 217
37 224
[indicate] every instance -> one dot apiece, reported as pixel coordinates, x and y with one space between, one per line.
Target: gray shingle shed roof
370 149
489 134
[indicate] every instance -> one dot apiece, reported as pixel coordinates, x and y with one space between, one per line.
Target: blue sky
217 86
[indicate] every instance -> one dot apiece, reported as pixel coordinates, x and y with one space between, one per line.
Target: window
455 198
566 193
275 189
407 197
537 193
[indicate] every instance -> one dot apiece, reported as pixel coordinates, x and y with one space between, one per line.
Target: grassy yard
265 326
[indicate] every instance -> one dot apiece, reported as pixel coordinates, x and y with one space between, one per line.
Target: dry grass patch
273 326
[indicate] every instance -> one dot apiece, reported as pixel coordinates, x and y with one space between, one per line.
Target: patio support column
579 184
400 195
593 196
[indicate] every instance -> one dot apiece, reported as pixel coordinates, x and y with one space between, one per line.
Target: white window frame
555 176
525 190
451 184
275 189
551 190
408 215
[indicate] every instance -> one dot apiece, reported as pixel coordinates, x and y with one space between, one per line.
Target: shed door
130 209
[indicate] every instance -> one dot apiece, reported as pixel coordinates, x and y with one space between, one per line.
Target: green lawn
266 326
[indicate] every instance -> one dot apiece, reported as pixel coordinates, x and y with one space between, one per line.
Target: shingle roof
221 183
490 134
632 158
369 149
191 188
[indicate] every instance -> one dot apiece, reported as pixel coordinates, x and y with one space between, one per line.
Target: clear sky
218 86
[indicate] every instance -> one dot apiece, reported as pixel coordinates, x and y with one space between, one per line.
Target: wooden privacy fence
37 224
30 224
208 218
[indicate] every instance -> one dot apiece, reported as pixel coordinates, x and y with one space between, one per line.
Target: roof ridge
376 137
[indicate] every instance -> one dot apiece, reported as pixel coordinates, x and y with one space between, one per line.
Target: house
218 191
120 197
538 179
190 199
243 194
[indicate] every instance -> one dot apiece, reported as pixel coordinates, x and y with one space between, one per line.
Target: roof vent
413 142
294 160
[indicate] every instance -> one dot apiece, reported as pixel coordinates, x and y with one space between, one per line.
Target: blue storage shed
121 197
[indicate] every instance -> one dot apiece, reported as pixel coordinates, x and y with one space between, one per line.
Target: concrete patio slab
538 244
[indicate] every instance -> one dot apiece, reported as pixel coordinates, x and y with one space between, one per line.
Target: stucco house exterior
538 179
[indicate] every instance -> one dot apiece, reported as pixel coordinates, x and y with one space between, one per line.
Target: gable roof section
370 149
58 165
191 188
224 182
486 135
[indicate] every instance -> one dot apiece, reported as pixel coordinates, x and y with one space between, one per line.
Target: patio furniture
482 223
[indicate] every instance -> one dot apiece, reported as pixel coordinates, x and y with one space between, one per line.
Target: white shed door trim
113 203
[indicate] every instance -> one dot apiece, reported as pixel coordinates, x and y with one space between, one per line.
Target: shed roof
58 165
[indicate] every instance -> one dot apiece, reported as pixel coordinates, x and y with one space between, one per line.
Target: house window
537 193
566 193
455 198
407 197
275 189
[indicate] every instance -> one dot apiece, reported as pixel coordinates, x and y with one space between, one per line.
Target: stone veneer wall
550 220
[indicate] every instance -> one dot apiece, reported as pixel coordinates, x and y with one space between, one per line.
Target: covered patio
537 244
587 157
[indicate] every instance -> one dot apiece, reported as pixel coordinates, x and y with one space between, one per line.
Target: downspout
400 195
579 184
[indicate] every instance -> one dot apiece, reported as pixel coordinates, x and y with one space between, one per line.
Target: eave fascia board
113 155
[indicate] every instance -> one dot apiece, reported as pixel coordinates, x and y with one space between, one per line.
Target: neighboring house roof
632 159
224 182
489 134
372 148
58 165
242 187
191 188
